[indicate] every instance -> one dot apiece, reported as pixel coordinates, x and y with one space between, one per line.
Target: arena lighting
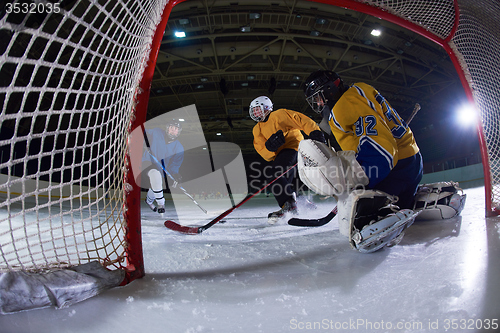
376 32
180 34
466 115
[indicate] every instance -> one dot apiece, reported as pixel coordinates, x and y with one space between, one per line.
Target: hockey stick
198 230
176 184
416 108
298 222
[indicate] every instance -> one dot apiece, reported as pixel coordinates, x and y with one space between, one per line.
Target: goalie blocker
368 218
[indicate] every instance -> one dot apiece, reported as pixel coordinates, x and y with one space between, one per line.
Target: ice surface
247 276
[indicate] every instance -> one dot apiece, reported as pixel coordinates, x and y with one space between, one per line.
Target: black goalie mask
323 89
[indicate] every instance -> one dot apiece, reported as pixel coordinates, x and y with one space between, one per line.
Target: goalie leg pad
440 200
371 220
387 232
328 172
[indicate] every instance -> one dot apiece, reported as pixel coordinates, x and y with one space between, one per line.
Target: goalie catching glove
327 172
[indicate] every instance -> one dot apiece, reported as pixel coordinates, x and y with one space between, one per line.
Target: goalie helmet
260 108
322 89
173 129
440 200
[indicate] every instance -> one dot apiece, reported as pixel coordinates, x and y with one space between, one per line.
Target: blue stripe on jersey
375 160
332 117
336 123
362 93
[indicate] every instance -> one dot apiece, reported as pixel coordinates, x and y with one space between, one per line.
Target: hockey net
68 91
69 78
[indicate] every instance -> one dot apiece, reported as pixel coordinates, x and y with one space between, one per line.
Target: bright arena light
376 32
466 115
180 34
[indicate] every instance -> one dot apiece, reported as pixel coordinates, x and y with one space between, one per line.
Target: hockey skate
288 207
160 209
152 206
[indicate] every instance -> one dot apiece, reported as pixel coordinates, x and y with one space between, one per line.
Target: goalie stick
416 108
198 230
298 222
176 184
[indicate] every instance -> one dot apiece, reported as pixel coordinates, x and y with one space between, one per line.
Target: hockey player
167 150
379 155
276 138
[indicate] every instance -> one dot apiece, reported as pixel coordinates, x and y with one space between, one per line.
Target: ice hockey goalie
369 218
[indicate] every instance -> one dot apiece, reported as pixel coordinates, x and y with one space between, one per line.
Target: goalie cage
68 198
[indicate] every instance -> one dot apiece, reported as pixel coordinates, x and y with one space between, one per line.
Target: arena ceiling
236 50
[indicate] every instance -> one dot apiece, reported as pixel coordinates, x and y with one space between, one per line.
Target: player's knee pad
155 180
442 200
327 172
371 220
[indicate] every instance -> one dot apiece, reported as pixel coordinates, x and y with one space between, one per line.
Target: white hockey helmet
260 108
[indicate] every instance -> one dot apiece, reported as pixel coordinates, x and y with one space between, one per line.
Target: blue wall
468 176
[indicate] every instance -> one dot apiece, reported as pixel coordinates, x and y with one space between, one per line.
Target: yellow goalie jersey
363 121
290 122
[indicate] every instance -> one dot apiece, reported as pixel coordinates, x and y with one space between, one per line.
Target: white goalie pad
436 201
371 221
327 172
386 232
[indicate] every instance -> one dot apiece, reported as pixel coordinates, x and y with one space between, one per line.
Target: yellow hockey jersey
363 121
290 122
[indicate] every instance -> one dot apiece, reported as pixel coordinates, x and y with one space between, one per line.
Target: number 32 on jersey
366 125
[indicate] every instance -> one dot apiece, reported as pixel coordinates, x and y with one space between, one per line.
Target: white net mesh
476 42
437 17
477 39
68 78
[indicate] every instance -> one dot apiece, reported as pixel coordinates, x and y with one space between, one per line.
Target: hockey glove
317 135
275 141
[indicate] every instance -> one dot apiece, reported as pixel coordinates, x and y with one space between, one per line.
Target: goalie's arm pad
327 172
